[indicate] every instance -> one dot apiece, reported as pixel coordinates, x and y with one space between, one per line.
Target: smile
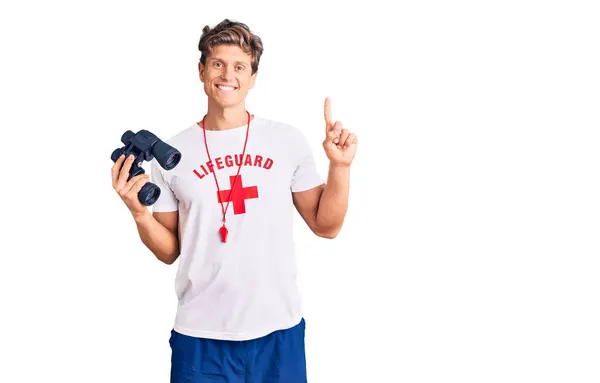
226 88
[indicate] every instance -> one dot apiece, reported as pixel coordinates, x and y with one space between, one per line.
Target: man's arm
324 207
158 232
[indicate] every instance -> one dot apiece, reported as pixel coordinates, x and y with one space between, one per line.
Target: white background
470 249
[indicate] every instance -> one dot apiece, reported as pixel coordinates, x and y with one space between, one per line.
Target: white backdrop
470 249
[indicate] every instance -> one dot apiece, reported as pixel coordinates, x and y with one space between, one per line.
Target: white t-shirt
244 288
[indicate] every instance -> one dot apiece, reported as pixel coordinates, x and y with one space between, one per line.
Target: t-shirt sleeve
167 200
306 175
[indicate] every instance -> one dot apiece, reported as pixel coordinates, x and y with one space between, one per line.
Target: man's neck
218 118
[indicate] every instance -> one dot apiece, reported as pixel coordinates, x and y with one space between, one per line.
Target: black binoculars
145 146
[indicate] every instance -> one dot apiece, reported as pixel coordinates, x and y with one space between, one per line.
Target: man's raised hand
339 144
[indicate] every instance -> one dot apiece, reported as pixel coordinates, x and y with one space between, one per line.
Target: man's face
227 76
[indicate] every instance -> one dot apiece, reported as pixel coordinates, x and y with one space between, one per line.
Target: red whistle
223 232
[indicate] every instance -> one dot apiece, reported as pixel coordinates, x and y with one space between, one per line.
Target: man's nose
228 73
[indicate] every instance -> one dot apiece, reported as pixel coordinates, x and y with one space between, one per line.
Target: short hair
229 32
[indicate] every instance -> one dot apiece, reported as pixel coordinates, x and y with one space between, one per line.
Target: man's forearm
162 242
334 201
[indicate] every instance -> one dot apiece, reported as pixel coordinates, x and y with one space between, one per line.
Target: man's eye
218 64
240 67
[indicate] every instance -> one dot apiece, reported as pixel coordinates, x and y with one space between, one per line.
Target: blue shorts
274 358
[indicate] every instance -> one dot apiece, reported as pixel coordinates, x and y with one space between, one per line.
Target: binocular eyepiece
145 146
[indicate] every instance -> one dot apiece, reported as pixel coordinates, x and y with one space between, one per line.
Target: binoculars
145 146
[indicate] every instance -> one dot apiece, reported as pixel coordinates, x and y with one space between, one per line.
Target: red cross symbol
240 194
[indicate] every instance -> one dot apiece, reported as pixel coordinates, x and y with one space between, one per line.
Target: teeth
226 88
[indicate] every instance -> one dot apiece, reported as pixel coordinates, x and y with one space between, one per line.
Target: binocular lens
149 194
150 197
172 161
167 156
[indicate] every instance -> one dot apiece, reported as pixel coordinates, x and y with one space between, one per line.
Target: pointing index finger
328 122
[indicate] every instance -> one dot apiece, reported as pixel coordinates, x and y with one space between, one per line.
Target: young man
226 213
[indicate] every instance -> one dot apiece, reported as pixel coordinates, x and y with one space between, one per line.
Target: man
226 213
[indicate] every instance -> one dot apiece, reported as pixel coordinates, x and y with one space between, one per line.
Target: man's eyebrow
220 59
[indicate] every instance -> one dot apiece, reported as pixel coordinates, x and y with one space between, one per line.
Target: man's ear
201 71
253 80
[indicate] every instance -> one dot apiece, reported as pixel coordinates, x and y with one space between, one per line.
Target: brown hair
231 33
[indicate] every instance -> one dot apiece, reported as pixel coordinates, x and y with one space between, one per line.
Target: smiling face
227 76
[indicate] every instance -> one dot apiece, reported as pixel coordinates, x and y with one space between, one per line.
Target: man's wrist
339 168
338 165
141 218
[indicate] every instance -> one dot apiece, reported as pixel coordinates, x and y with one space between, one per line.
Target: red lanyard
223 230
